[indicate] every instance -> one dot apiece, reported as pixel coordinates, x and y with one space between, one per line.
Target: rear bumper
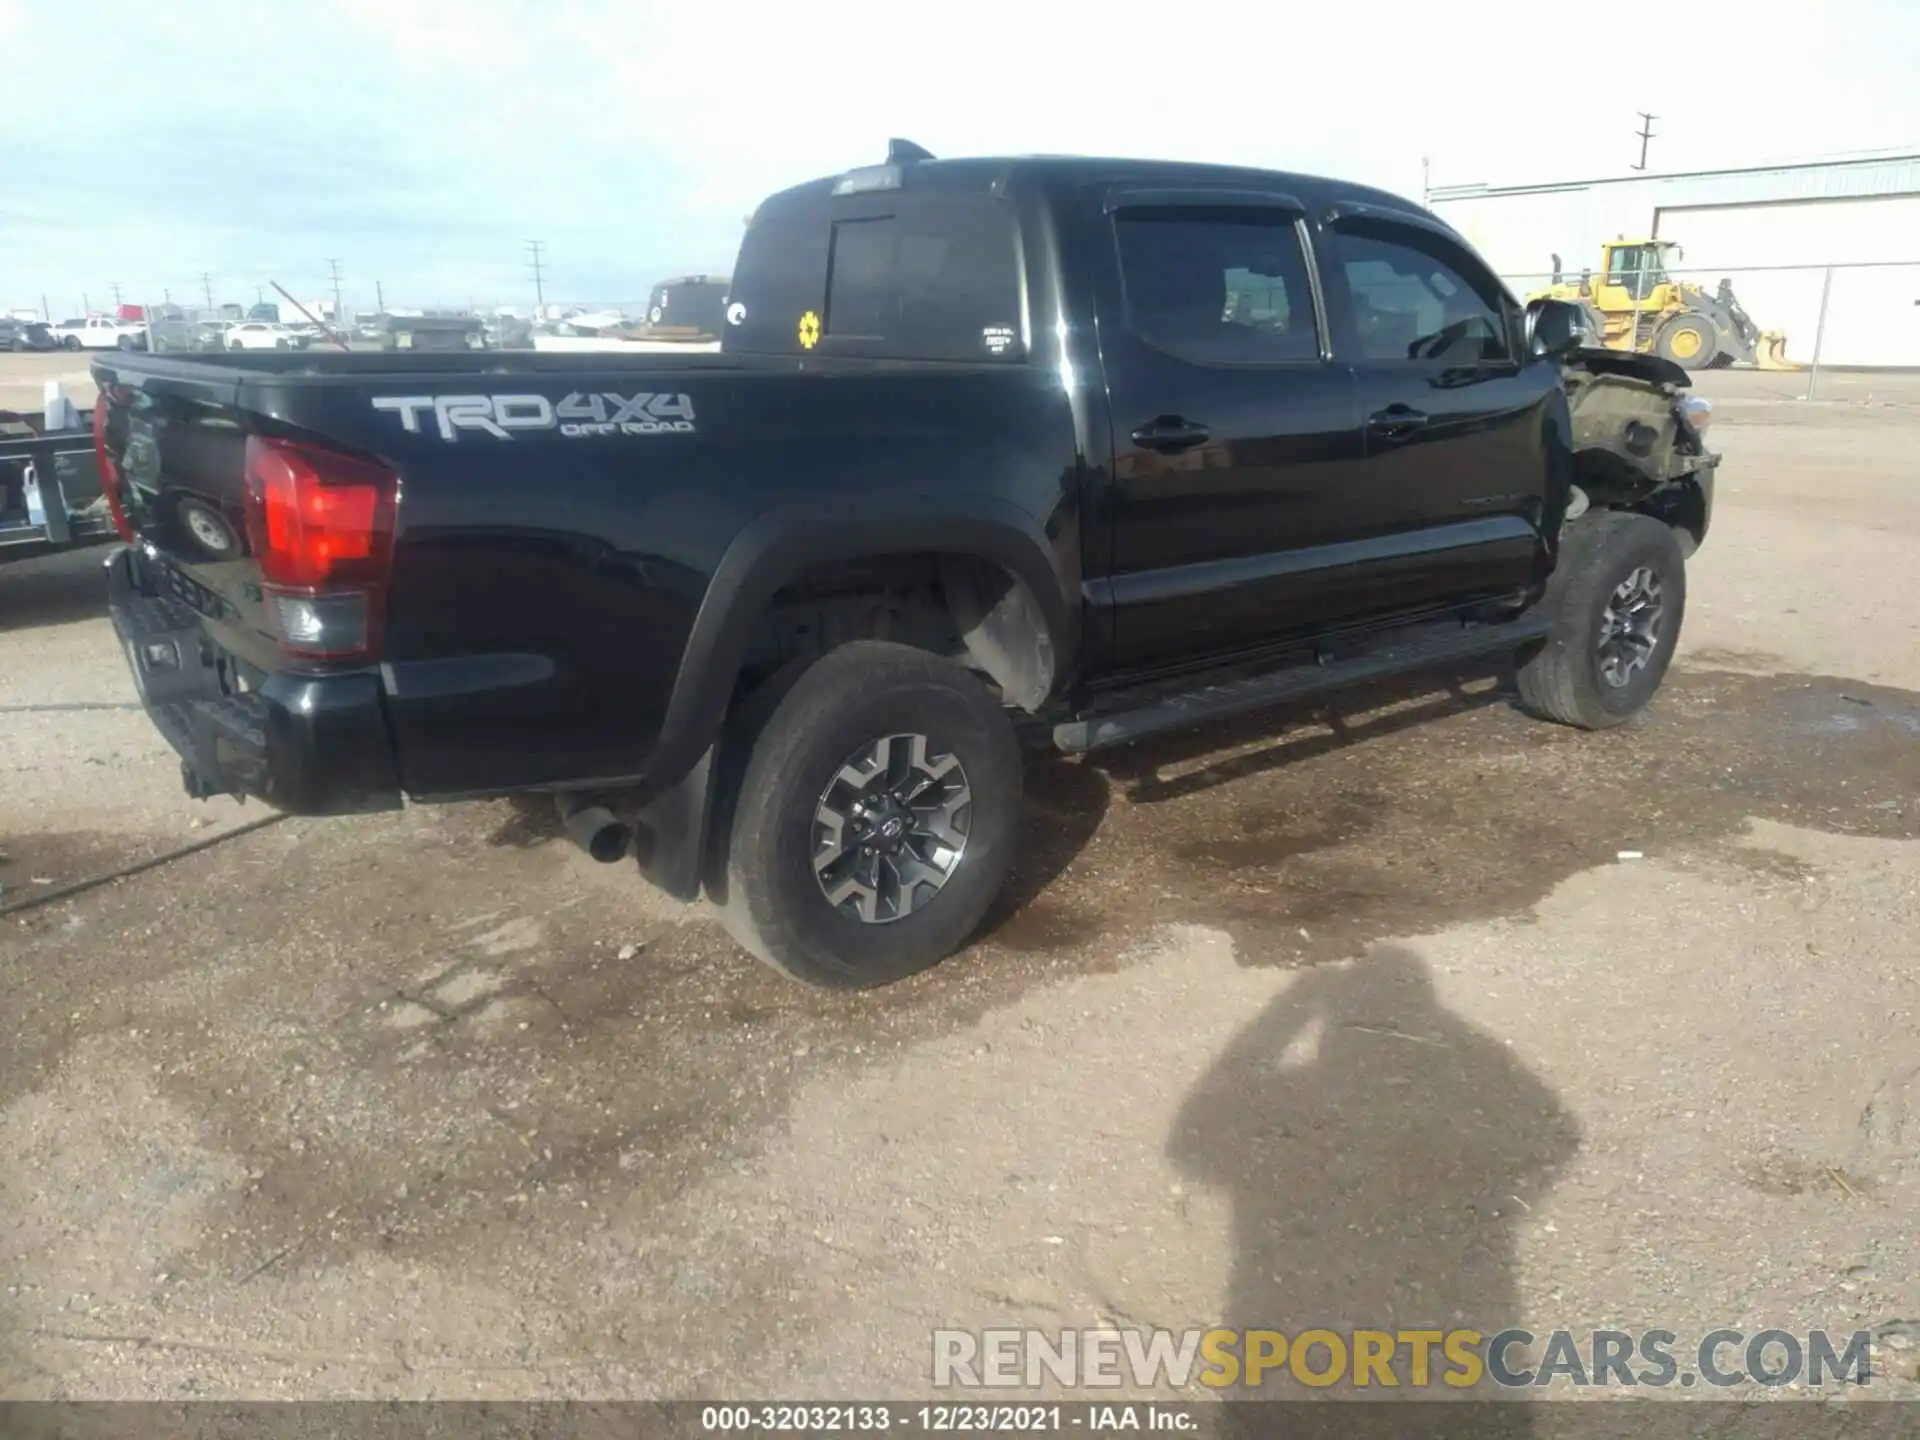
306 744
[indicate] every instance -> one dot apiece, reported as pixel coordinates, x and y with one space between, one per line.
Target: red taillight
109 471
320 524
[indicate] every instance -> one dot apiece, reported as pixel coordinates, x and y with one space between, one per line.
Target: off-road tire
1561 680
773 904
1665 343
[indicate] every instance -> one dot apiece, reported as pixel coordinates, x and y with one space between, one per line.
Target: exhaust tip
599 832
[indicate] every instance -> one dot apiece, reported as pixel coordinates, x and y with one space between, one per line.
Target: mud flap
670 832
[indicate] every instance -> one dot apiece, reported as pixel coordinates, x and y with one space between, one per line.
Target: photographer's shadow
1379 1152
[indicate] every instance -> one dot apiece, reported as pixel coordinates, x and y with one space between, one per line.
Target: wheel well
1681 506
957 606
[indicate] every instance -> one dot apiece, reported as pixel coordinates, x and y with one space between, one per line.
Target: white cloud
426 140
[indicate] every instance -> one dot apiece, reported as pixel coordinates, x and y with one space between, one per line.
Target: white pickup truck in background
101 332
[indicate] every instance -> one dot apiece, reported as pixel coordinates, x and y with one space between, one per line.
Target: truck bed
594 582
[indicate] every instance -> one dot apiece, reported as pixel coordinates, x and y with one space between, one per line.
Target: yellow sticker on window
809 330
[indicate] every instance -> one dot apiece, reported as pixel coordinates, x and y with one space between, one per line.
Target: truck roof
982 175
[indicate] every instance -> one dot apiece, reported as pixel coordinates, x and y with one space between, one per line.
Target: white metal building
1772 231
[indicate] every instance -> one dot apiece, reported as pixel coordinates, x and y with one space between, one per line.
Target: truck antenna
332 334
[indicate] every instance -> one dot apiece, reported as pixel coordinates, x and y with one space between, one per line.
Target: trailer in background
51 497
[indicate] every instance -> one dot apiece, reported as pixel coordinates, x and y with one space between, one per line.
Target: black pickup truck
1089 449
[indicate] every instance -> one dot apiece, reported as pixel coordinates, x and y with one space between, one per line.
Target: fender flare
781 543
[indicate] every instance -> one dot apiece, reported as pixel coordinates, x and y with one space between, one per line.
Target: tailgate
204 627
173 465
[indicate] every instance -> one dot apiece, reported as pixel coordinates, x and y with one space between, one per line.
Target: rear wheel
1617 597
1689 341
71 342
875 818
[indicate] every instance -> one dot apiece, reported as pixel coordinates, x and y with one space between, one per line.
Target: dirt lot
1340 1021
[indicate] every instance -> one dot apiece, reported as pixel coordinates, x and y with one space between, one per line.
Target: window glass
860 279
937 282
919 279
1415 299
1218 287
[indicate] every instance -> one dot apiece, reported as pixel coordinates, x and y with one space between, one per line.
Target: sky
422 143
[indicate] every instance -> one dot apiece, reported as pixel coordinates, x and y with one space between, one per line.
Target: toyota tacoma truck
1079 449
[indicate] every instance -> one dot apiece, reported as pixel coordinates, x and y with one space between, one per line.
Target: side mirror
1555 328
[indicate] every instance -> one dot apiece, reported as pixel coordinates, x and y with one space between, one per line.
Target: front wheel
875 818
1617 597
1689 341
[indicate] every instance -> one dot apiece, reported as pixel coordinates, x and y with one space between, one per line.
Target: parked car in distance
18 335
101 332
200 336
441 332
265 335
689 305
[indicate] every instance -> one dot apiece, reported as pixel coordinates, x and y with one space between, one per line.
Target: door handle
1169 434
1395 421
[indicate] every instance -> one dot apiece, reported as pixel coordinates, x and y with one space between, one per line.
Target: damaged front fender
1638 439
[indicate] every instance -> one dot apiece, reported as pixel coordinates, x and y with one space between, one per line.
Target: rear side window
1218 287
925 281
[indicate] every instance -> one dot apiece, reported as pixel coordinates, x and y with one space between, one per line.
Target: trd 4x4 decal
577 415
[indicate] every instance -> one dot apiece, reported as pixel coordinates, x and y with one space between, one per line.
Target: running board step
1441 647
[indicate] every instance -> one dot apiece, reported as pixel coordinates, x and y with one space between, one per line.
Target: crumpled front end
1639 439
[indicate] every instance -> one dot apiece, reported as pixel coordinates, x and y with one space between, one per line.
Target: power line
1646 133
534 247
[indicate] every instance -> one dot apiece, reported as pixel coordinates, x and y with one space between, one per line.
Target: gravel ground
1355 1020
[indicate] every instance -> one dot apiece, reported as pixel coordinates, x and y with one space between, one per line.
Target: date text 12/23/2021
877 1417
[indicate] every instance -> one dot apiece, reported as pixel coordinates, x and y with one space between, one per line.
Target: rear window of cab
889 277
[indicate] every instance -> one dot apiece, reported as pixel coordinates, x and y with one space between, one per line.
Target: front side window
1218 287
1415 298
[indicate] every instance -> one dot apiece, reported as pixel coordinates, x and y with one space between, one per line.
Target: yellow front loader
1634 304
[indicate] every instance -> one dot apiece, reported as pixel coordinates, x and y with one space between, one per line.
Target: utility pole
1645 132
534 248
206 284
115 287
334 266
379 298
45 313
